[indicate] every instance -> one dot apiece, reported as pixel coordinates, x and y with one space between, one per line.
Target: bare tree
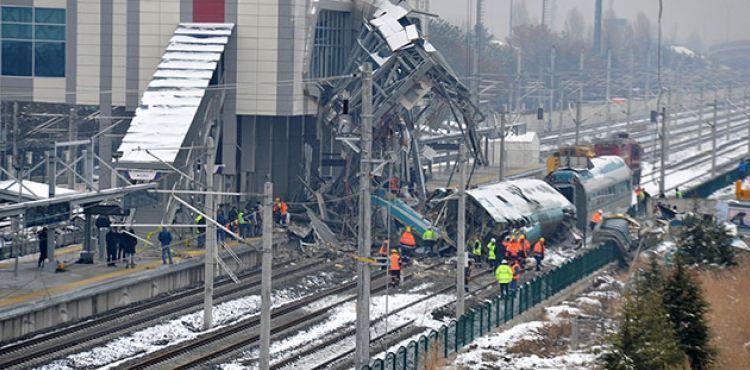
575 25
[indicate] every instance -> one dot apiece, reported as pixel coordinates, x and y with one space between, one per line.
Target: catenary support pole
362 352
210 237
663 160
552 55
265 287
608 91
501 165
51 264
461 237
519 83
561 116
701 102
70 155
629 111
713 137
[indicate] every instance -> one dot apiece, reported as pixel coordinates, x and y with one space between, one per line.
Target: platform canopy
171 100
30 190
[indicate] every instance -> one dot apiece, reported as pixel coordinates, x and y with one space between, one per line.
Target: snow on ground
187 327
343 317
545 344
557 256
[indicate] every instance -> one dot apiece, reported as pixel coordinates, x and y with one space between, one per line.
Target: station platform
36 299
33 283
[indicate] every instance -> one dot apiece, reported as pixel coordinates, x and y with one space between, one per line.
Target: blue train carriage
499 208
605 184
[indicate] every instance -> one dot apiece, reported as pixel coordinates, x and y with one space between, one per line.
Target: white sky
714 20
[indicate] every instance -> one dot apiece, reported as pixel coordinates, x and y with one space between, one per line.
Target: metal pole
72 149
519 70
700 118
552 56
607 93
502 142
265 287
510 20
713 137
51 171
747 115
580 96
630 91
663 162
578 119
562 116
362 354
210 236
461 242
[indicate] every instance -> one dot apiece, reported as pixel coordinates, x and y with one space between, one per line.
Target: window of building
332 41
33 41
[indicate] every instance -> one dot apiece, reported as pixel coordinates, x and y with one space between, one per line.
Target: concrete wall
41 314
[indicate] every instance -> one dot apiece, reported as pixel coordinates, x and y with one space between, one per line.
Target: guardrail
483 319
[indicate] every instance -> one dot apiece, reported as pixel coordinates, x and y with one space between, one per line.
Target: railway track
241 335
57 343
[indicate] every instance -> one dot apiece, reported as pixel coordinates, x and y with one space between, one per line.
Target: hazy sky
714 20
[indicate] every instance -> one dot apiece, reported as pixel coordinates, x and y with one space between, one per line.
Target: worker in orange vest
393 185
407 239
516 276
383 251
596 218
394 268
525 246
539 253
512 251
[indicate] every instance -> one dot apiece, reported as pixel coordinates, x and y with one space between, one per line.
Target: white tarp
513 200
176 90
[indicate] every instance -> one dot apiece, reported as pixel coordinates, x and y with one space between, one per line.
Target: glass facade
333 37
33 41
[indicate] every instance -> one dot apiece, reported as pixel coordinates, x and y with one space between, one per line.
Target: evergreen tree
704 241
683 300
645 339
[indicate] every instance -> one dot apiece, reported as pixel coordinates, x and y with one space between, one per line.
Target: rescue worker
394 268
467 275
383 252
284 213
491 255
512 253
525 247
232 217
596 218
200 230
220 234
677 193
393 185
407 239
165 238
539 253
516 268
429 239
277 211
504 276
476 251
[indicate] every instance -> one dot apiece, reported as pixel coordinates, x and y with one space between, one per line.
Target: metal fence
483 319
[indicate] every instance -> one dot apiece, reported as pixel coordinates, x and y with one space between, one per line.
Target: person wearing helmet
513 249
476 252
539 253
596 218
407 239
394 268
504 275
491 255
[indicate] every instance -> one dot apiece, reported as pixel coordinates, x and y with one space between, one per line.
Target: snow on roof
386 19
31 190
513 200
173 96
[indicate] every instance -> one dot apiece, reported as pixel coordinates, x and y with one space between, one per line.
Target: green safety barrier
499 310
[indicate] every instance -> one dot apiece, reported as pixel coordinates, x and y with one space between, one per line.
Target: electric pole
713 137
607 92
210 237
562 115
580 96
663 161
700 118
51 265
503 117
630 91
461 242
552 56
72 149
510 20
519 70
265 283
362 354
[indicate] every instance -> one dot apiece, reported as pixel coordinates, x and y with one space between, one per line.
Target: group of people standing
515 247
121 247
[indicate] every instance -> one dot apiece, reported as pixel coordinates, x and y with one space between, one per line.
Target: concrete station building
105 53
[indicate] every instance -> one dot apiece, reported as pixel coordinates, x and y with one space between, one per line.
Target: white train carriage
605 184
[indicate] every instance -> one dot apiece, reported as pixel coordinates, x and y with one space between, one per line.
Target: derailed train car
604 184
534 205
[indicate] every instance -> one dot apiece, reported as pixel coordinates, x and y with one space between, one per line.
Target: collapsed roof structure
413 88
